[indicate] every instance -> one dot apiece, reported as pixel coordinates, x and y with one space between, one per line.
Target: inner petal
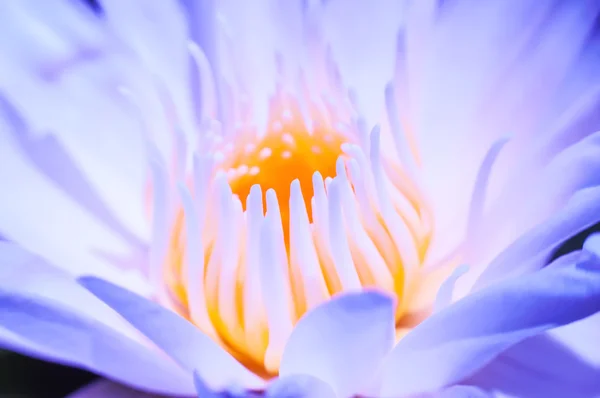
342 215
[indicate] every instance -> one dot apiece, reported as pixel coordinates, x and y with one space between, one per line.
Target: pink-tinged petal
532 250
539 197
540 367
48 330
459 340
342 341
108 389
180 339
299 386
474 88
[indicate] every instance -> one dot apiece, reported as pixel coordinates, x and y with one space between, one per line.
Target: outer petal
531 251
204 391
62 52
108 389
32 168
296 386
539 196
49 330
181 340
342 341
300 386
62 57
459 391
23 273
581 338
457 341
540 366
70 36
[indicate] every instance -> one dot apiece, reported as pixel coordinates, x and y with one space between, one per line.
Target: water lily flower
303 198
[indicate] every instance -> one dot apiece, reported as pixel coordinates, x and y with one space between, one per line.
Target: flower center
288 219
287 152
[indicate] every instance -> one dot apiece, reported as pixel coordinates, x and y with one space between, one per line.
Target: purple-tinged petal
46 314
576 167
249 33
540 367
156 32
582 339
294 386
342 341
25 218
531 251
472 89
202 31
63 57
49 157
203 390
462 392
459 391
459 340
180 339
364 39
108 389
540 196
232 391
24 273
574 120
299 386
47 330
69 31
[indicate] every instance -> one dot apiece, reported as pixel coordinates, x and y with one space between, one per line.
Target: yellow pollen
285 153
372 254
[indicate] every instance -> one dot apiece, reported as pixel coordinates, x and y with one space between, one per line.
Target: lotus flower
303 198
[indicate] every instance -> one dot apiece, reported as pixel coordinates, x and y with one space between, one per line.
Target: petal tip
592 244
367 300
91 283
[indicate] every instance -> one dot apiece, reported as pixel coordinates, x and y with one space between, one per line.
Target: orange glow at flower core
287 151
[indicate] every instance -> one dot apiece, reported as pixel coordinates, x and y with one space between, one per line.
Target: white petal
47 222
182 341
342 341
105 388
47 315
363 38
474 88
